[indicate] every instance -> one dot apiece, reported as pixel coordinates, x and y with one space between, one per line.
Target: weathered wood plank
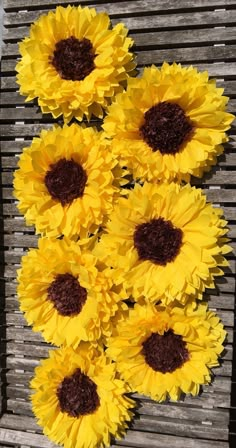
214 177
25 438
148 440
116 7
156 424
18 318
147 57
156 39
206 400
189 20
23 334
219 196
133 438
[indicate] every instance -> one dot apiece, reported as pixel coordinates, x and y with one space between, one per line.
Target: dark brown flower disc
66 181
67 295
77 395
165 127
73 58
157 241
165 353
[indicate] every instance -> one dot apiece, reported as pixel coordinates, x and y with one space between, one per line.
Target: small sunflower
65 296
169 124
166 242
66 181
162 352
73 62
78 400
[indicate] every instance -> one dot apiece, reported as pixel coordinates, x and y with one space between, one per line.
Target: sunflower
165 241
78 400
169 124
65 295
74 62
162 352
66 181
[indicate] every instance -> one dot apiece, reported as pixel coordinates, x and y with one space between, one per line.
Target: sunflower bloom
166 242
78 400
66 181
73 62
68 298
169 124
163 352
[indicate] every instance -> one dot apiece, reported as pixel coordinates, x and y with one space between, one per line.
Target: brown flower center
77 395
66 181
165 353
166 127
157 241
73 58
67 295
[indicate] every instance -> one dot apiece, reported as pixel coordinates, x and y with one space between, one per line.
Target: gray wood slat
124 7
215 69
16 437
156 39
152 39
133 438
214 177
223 302
159 424
219 384
186 55
18 318
223 285
219 196
18 225
13 257
30 241
11 210
155 21
147 440
12 148
219 416
206 399
222 385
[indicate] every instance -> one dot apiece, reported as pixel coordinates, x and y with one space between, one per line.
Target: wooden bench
199 32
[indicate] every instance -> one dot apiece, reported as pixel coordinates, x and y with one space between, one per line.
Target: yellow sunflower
165 241
78 400
66 181
162 352
169 124
74 62
66 296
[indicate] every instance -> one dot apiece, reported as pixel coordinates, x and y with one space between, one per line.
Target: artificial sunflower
73 62
66 181
169 124
66 296
162 352
78 400
166 242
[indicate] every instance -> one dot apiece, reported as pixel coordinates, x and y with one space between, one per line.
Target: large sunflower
165 241
170 123
66 296
78 400
66 181
162 352
74 62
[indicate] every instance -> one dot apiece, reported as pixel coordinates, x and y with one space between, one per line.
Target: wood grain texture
193 19
203 33
123 7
